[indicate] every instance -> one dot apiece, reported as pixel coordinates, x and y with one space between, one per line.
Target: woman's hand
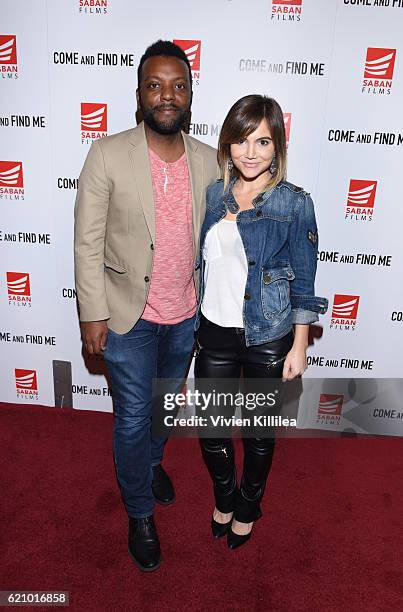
295 363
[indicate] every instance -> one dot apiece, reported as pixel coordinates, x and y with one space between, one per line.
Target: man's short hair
166 48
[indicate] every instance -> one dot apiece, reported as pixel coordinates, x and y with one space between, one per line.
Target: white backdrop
335 67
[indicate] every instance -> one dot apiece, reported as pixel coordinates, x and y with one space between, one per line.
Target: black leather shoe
162 486
235 541
220 529
144 545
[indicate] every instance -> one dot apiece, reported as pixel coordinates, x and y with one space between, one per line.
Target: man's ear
138 97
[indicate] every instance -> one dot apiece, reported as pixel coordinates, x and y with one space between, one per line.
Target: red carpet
331 537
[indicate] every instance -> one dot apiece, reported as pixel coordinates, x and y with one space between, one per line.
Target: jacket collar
233 206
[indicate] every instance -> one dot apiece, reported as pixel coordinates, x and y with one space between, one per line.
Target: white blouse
225 274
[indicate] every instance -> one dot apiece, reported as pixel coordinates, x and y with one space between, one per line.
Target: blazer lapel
142 175
195 165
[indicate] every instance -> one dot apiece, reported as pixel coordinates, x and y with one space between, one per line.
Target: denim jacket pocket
275 290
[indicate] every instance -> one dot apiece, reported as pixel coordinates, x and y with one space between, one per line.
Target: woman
258 253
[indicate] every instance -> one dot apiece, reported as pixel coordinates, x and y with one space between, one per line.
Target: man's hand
94 335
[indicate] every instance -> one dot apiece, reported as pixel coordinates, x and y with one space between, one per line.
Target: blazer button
252 263
259 213
266 279
246 296
152 247
146 278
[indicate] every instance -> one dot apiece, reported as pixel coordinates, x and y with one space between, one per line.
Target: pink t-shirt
172 296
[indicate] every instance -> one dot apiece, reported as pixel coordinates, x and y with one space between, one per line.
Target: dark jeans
223 353
133 360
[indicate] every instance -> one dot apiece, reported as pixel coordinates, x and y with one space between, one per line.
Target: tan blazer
115 224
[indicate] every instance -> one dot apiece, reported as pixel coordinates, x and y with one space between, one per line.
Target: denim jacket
280 239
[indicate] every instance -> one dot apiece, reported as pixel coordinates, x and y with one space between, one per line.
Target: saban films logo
11 180
26 384
286 10
19 289
378 70
93 7
94 122
192 48
344 312
8 56
329 409
360 200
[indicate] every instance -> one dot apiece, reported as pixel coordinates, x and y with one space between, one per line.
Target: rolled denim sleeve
303 244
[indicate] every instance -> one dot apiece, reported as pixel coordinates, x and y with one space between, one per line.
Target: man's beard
167 127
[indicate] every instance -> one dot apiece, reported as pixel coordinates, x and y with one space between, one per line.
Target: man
139 209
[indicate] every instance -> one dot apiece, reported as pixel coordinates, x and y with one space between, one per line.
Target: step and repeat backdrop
68 77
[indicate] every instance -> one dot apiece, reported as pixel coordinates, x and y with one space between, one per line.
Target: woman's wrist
301 337
299 345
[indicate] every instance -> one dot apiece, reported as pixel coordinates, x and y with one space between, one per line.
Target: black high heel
219 530
234 540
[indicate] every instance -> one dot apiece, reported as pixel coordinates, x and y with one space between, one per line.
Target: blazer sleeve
90 215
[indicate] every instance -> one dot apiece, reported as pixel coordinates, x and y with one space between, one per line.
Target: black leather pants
222 353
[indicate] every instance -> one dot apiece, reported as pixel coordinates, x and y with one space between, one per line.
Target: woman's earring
273 166
230 164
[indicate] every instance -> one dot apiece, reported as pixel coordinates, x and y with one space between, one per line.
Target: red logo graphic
345 306
286 10
330 404
287 125
93 6
361 194
26 380
8 49
192 49
330 407
11 174
379 63
93 117
18 284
